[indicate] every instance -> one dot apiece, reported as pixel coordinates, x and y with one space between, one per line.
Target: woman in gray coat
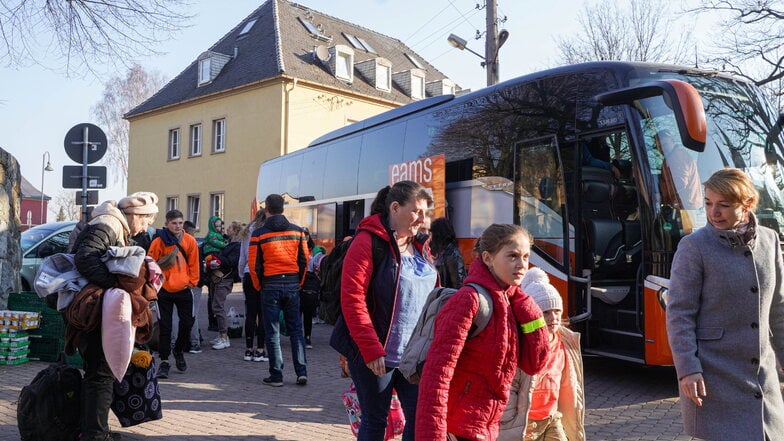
725 318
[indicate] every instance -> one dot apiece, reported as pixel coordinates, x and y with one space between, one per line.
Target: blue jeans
276 297
375 394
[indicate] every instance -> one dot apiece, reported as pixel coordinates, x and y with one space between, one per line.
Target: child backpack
413 359
331 269
49 408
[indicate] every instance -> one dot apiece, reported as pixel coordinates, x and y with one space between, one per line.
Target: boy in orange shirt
178 256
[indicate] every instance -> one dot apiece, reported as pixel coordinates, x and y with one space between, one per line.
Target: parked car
40 242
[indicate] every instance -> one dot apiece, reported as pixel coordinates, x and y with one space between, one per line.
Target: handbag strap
182 250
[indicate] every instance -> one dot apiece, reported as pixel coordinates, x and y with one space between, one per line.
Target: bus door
609 247
540 207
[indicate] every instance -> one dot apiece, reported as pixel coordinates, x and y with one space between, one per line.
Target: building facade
282 77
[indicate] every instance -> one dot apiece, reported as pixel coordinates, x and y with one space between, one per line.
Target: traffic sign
96 143
92 196
72 177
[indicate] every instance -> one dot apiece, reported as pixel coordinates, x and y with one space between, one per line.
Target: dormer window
341 62
210 65
440 87
417 86
204 71
383 76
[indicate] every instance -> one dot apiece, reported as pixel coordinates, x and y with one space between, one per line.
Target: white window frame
204 71
174 143
172 202
219 135
195 140
417 87
344 65
194 208
217 202
383 71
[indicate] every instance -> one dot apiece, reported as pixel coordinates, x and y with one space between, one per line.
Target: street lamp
48 167
488 60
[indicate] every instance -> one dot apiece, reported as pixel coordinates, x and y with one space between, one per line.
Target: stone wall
10 252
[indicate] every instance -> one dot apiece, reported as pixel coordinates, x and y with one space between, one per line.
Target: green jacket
213 241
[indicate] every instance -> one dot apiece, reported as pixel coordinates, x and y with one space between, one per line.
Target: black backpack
49 408
331 269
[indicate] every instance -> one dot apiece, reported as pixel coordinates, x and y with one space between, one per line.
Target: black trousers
166 302
254 317
97 387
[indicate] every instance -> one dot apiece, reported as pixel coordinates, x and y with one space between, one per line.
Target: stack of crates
48 341
14 339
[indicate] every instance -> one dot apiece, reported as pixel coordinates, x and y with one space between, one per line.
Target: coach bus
602 162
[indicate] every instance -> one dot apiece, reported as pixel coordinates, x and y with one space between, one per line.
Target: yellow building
282 77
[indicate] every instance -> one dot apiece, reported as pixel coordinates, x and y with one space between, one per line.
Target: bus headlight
662 295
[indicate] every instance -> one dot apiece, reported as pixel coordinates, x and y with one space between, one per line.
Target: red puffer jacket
465 383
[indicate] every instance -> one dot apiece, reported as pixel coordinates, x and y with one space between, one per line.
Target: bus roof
399 112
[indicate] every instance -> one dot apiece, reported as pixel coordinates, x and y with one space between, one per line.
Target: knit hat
141 202
537 285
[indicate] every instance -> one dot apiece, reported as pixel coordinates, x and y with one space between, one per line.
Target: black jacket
450 266
90 246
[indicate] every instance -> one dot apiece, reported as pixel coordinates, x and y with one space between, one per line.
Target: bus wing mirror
680 96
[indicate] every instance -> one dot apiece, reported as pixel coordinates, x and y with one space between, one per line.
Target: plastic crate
52 325
27 301
45 348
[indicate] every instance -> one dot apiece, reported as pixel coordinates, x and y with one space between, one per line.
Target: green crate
52 325
27 301
45 348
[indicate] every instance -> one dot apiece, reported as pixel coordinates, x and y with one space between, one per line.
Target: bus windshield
742 133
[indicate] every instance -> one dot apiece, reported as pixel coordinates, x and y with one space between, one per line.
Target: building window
171 203
216 204
194 205
383 77
417 87
204 71
247 27
174 144
195 140
344 68
219 135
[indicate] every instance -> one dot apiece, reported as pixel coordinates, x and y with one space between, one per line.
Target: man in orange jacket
178 256
277 257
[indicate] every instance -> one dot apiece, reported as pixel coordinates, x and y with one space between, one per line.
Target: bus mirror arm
680 96
770 145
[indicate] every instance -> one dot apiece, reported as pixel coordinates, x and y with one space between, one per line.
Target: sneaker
195 349
222 343
308 344
215 340
274 383
260 356
179 361
302 380
248 355
163 370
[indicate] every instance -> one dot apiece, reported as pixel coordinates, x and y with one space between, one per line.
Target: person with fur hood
550 405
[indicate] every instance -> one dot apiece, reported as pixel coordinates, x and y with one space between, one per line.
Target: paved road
220 397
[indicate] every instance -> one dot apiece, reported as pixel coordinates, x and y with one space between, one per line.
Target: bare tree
84 34
749 40
67 208
638 31
120 95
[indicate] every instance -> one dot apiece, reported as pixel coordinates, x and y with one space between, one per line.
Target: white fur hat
537 285
141 202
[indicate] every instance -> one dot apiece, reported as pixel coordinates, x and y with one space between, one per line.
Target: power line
439 31
461 14
427 23
437 39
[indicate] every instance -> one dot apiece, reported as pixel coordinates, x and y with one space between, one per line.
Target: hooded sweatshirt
213 241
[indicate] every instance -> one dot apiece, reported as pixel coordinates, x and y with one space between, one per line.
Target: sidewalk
220 396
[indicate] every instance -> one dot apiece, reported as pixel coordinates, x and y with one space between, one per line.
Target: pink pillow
117 332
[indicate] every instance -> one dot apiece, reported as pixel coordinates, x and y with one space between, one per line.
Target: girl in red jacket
465 383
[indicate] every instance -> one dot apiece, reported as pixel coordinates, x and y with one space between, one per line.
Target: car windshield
34 235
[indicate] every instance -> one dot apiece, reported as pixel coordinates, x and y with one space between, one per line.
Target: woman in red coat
465 382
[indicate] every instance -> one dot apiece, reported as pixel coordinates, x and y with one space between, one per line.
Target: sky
38 106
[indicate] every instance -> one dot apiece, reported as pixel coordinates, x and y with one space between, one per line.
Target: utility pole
491 43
